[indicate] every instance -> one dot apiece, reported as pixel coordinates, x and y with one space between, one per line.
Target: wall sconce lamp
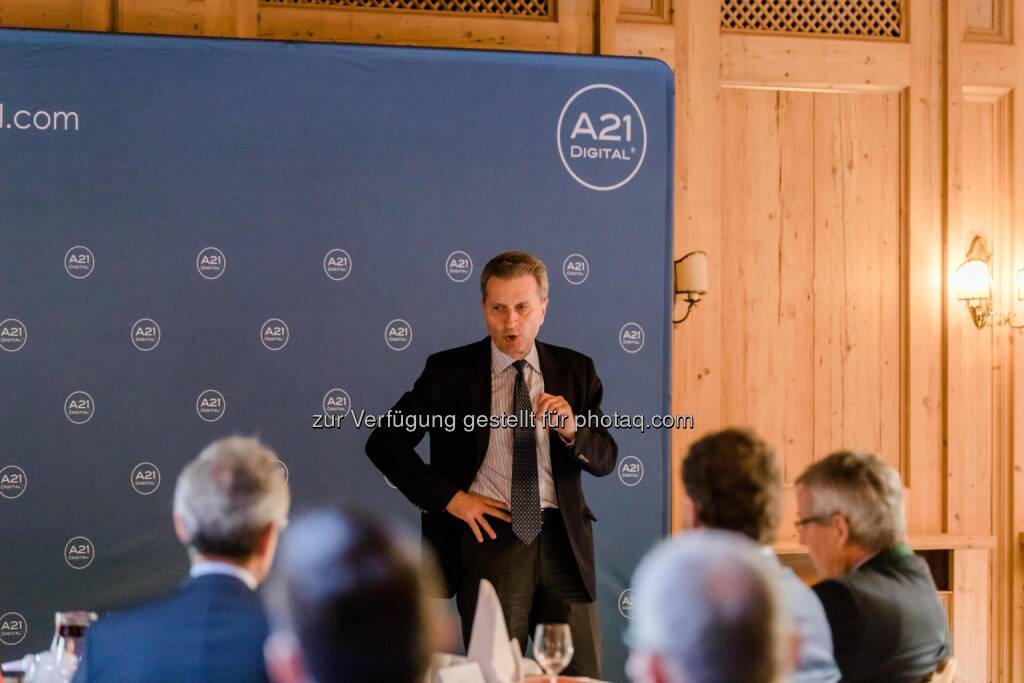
691 280
974 286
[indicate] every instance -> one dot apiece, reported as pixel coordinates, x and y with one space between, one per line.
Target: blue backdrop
202 238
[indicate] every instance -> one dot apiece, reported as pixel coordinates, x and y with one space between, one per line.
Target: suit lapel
555 383
479 378
554 375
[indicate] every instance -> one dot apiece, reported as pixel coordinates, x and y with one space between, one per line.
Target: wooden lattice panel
855 18
515 8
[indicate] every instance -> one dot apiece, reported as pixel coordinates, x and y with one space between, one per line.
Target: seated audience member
229 505
733 483
706 609
879 597
348 602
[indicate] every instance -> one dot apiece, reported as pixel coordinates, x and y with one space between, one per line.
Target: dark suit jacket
458 382
212 629
887 623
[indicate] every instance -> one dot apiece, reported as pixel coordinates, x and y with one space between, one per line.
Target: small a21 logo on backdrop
13 482
274 334
13 628
210 405
458 266
211 263
13 335
79 262
145 334
79 407
398 335
337 264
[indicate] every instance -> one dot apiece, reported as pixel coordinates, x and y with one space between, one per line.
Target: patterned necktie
526 519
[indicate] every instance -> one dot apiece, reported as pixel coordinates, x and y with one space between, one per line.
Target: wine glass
552 648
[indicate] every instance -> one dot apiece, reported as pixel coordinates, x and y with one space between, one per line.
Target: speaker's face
514 313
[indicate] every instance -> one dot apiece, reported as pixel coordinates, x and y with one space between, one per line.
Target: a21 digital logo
211 263
79 262
145 478
337 402
576 269
13 482
274 334
398 335
337 264
631 337
79 552
210 405
13 334
145 334
13 628
458 266
626 599
602 137
79 407
631 471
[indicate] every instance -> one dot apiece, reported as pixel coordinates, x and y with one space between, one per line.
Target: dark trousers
536 584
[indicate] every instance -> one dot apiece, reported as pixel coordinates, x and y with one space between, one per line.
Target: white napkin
441 660
489 643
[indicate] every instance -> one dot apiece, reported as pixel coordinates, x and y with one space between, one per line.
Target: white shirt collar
207 567
501 360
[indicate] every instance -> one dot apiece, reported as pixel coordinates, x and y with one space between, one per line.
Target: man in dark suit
229 505
879 597
504 501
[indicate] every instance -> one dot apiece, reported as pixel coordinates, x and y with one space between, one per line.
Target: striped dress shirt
494 478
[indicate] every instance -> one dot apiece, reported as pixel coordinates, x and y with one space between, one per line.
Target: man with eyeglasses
879 597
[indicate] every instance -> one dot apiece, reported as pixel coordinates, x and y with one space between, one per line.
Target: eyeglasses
813 519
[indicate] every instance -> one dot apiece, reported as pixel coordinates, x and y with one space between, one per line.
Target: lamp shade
692 275
973 281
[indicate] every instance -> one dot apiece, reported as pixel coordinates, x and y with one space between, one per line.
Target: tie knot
519 365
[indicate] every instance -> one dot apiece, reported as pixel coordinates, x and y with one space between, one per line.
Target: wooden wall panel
924 141
573 31
696 351
172 17
987 20
767 260
648 11
856 288
70 15
982 197
970 630
811 245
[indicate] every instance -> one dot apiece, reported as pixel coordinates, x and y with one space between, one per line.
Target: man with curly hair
733 483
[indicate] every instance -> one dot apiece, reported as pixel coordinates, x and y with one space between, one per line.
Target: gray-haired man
879 597
230 503
707 609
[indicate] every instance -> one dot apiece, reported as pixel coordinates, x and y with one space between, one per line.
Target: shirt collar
207 567
501 360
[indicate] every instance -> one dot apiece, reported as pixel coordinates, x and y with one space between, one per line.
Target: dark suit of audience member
879 597
229 504
886 623
212 629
